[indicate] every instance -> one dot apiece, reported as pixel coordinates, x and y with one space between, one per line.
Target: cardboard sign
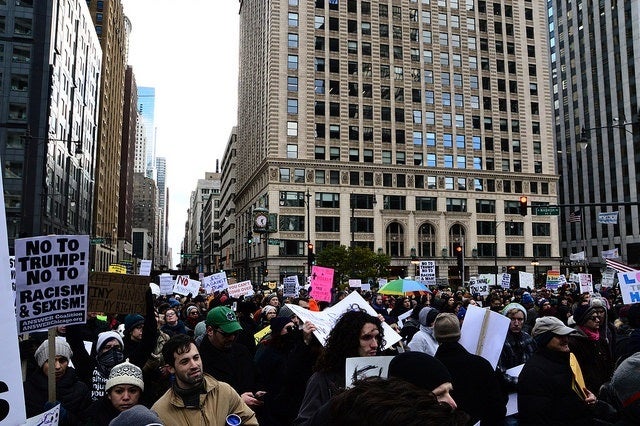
117 293
185 286
238 290
290 286
483 333
361 367
326 320
321 283
215 282
51 281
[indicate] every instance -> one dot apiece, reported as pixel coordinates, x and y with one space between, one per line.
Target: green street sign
274 241
547 211
94 241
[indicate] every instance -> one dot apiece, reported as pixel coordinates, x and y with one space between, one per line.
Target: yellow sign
117 268
260 334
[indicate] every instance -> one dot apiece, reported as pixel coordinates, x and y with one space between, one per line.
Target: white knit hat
125 374
105 336
62 349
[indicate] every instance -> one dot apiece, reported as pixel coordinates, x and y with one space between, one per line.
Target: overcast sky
188 51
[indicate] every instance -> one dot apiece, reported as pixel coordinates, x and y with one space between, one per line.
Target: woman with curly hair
355 334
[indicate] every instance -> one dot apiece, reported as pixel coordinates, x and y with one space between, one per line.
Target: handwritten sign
629 287
215 282
586 283
428 272
238 290
479 285
290 286
51 281
358 368
166 283
355 282
145 267
326 320
185 286
321 283
117 293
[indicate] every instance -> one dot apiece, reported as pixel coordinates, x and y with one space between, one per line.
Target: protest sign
321 283
117 293
238 290
166 283
185 286
259 335
365 287
215 282
51 281
50 417
12 409
117 268
355 283
12 271
483 333
326 319
155 289
480 285
428 272
358 368
526 280
586 283
290 286
504 280
629 286
145 267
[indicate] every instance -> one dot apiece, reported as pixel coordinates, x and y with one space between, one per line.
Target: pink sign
321 283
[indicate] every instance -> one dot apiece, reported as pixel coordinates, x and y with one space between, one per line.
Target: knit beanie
420 369
526 299
62 349
626 381
125 374
512 306
446 328
268 308
582 313
541 302
131 321
138 415
278 323
285 311
105 337
192 308
199 329
427 315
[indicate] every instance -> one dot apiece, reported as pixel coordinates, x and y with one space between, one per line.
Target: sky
188 51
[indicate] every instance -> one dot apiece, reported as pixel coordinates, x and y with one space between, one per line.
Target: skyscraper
595 57
409 127
147 109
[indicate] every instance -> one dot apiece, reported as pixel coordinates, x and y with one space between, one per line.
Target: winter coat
545 394
100 413
74 396
320 388
234 366
423 341
594 357
216 404
476 388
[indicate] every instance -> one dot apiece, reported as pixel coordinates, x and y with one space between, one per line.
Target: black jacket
545 394
234 366
476 388
594 357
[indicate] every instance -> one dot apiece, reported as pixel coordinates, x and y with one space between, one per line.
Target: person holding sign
355 334
73 395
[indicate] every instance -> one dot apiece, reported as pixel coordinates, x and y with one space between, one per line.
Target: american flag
575 216
619 266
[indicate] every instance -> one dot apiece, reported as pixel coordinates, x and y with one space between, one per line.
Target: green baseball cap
223 318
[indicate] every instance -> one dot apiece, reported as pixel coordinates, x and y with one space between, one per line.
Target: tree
353 262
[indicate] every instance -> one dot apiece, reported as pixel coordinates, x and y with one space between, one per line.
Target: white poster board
478 286
145 267
52 276
185 286
586 283
629 287
215 282
48 418
325 320
290 286
428 272
166 283
526 280
238 290
355 283
483 333
361 367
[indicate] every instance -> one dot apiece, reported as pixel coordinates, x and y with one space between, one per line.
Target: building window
427 204
394 202
285 175
292 151
327 200
456 204
292 128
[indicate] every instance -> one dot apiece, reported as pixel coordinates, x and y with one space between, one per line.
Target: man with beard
197 398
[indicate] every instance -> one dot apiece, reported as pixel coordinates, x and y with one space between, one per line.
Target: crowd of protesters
196 361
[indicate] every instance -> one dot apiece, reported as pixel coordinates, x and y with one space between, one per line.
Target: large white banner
52 275
629 287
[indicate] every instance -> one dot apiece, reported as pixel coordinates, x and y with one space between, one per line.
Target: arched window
426 241
394 240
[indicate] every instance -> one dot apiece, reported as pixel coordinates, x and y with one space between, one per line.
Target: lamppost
617 123
309 245
535 262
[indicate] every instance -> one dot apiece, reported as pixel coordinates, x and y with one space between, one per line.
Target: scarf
593 335
190 397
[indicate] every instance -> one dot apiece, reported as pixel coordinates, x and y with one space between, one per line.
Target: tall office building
163 224
595 57
408 126
147 109
50 66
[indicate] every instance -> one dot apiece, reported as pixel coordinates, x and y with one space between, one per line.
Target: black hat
420 369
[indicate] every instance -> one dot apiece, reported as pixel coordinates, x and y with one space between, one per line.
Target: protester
226 360
139 346
532 313
626 386
518 345
195 397
138 415
475 383
172 323
548 392
123 391
356 333
244 313
423 340
191 318
630 343
72 395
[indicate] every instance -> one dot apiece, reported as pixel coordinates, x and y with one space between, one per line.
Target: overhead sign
274 241
547 211
95 241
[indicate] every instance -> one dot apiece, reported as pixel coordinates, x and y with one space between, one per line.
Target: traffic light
459 251
264 269
523 205
249 237
311 258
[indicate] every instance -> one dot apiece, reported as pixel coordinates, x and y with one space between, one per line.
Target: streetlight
619 123
535 264
309 245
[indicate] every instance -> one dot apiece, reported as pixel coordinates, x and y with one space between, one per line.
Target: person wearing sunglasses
227 360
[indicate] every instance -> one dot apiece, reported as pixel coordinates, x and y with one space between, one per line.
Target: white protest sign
145 267
483 333
381 282
512 403
361 367
526 280
52 275
428 272
290 286
185 286
357 283
403 317
12 269
505 280
586 283
155 290
12 409
50 417
479 285
166 283
238 290
215 282
325 320
629 286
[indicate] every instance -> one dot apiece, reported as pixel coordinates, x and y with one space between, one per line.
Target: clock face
261 221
